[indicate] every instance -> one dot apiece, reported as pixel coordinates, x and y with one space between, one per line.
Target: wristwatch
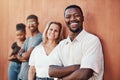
20 54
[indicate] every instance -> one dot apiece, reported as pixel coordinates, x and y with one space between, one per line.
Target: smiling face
32 24
74 19
53 32
20 35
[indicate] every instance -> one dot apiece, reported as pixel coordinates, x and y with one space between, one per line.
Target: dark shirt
15 48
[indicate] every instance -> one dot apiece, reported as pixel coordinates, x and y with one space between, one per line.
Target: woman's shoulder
39 46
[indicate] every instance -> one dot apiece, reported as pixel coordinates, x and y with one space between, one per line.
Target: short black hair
73 6
21 26
32 16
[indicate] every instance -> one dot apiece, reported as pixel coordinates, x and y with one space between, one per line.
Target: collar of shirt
78 38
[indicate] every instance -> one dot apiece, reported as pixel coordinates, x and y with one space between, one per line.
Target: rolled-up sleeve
93 56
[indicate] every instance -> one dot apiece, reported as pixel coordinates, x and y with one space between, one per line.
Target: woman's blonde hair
60 37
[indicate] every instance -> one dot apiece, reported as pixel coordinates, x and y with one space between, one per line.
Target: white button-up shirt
85 50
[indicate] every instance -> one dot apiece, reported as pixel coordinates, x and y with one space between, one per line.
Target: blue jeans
13 70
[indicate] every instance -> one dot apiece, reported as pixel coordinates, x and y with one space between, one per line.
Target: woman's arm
11 56
31 73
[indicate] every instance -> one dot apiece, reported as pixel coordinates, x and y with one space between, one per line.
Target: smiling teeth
74 23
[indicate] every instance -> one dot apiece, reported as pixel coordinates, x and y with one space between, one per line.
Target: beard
78 29
74 31
33 30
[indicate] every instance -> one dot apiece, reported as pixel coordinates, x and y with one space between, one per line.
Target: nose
72 18
52 31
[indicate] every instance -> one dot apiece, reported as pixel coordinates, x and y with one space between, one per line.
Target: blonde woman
39 59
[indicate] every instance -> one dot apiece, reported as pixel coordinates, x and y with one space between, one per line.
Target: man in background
29 45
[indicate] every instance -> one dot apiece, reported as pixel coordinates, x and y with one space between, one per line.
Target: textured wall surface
102 17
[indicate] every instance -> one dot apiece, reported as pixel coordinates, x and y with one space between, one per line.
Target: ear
83 18
37 23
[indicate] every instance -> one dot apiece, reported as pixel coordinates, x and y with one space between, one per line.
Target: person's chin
32 30
73 30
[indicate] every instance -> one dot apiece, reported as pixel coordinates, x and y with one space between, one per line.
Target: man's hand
21 58
59 72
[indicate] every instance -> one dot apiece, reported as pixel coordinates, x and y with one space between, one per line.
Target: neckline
47 54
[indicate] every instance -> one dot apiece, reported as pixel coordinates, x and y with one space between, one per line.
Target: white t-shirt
85 50
40 60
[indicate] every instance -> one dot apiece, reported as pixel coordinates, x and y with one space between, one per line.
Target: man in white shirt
80 56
